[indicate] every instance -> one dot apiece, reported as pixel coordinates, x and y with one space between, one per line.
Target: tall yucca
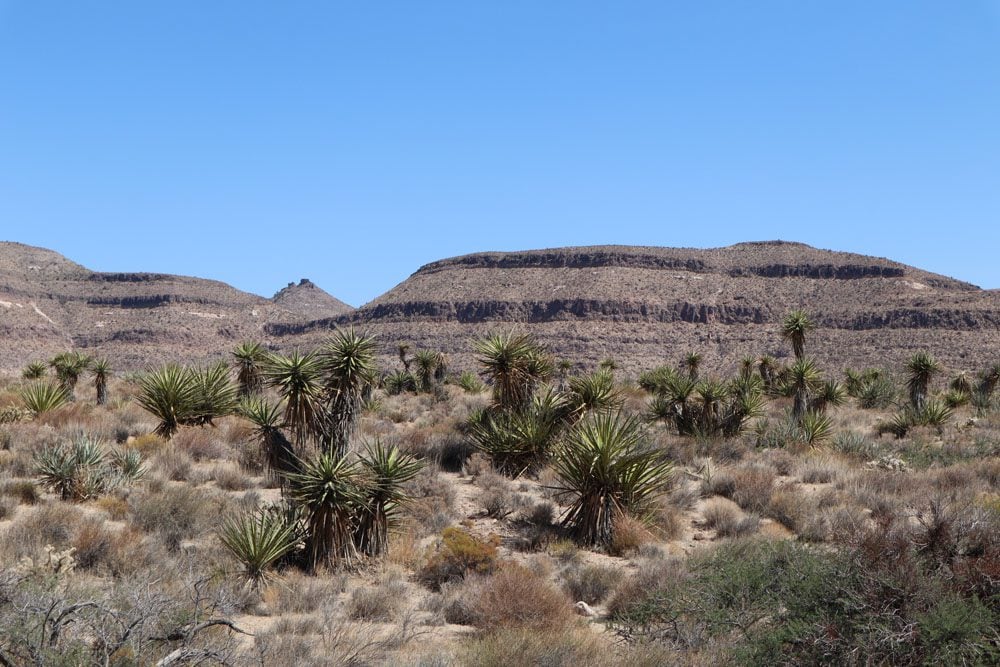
593 392
692 361
267 419
101 370
297 380
347 366
514 364
427 363
804 377
922 367
216 395
170 394
388 469
331 491
248 358
606 470
69 366
794 328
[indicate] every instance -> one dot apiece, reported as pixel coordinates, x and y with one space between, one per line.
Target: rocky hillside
306 299
640 306
643 306
49 304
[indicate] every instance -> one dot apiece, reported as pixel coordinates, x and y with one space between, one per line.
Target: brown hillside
643 306
305 298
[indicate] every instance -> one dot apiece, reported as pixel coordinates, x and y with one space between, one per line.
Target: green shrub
458 554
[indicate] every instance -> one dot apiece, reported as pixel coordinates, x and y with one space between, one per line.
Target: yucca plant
399 381
876 392
215 394
767 367
692 362
674 401
297 380
427 363
69 366
514 364
794 328
830 393
258 539
387 469
803 378
248 359
955 398
77 471
128 464
606 470
34 371
268 420
518 441
922 367
815 428
596 391
101 370
40 397
347 366
470 384
658 380
331 491
170 394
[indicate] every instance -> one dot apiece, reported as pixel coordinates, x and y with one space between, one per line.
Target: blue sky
351 142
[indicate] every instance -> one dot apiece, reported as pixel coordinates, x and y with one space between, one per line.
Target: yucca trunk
372 534
280 455
594 518
329 541
338 423
801 403
101 385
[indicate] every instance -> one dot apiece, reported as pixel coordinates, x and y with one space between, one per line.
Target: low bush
457 554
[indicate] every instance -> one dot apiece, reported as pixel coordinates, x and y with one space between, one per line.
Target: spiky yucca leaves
83 469
69 366
746 402
658 380
514 364
954 398
922 367
330 489
596 391
692 362
803 378
470 384
815 428
268 420
607 470
710 394
170 394
829 394
258 539
347 366
101 370
674 401
248 359
40 397
297 380
521 440
768 369
216 395
427 363
403 349
387 470
794 328
399 381
34 371
935 413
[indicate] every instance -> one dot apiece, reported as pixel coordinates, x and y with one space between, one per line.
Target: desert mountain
49 304
306 299
640 306
644 306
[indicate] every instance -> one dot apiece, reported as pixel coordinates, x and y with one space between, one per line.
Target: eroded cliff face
644 304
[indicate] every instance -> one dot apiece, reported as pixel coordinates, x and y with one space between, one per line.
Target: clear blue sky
351 142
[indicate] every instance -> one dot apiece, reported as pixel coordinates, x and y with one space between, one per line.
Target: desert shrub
200 444
458 554
470 383
7 507
431 500
876 393
590 583
51 524
799 605
789 508
517 597
173 463
92 544
174 513
627 535
85 469
820 471
229 478
376 603
523 646
296 593
752 488
24 490
856 444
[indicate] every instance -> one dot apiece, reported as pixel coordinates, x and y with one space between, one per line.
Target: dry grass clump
790 508
230 478
628 535
201 444
174 513
590 583
727 520
24 491
517 597
457 554
753 487
297 593
172 463
524 646
49 524
381 603
431 502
